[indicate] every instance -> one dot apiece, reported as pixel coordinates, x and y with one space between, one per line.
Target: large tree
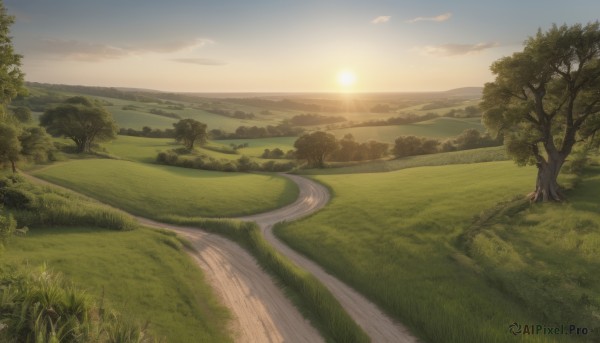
80 120
11 76
189 131
545 100
315 147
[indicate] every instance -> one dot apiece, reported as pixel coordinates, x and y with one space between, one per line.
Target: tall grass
38 306
35 205
307 292
143 274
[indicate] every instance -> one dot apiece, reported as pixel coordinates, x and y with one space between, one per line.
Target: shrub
17 198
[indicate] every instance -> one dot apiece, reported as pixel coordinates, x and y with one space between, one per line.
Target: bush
16 198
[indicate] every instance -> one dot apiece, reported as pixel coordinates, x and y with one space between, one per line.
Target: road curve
261 311
312 197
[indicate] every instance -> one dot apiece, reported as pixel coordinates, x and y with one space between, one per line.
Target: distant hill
475 92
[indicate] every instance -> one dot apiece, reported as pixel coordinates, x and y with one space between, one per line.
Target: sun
346 78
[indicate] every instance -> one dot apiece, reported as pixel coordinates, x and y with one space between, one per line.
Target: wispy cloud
455 49
200 61
80 51
438 18
381 19
96 52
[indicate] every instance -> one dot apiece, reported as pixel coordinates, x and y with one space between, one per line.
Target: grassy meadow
395 238
156 191
547 256
144 274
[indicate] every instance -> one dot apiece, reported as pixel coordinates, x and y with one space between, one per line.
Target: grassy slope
547 256
141 273
157 191
435 128
393 237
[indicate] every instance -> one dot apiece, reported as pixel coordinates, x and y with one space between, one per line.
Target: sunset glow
266 45
346 78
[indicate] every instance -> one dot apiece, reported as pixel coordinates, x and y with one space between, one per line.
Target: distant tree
10 147
266 153
22 114
81 121
468 139
348 149
544 101
472 111
36 143
377 149
188 131
429 146
146 131
11 76
315 147
407 146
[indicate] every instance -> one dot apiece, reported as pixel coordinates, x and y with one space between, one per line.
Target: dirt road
261 311
313 197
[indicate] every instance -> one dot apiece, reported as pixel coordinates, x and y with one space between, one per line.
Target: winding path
261 311
313 197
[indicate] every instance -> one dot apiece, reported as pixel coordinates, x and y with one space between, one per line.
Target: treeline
277 104
308 119
242 164
278 153
249 132
242 132
403 120
162 113
351 150
235 114
149 132
468 139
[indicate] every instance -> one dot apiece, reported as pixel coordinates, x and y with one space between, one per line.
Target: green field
142 149
435 128
144 274
156 191
394 238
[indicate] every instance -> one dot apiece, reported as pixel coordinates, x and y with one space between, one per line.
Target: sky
279 45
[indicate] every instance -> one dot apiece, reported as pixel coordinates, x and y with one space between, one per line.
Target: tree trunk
14 168
547 188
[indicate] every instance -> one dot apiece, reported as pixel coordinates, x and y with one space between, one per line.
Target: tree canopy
80 120
546 99
315 147
11 76
188 131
